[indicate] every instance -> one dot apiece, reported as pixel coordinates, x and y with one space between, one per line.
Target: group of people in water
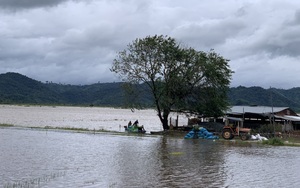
136 124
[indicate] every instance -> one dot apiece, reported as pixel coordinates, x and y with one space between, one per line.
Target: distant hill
16 88
265 97
19 89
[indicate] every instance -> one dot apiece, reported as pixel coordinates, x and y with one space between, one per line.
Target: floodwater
43 158
111 119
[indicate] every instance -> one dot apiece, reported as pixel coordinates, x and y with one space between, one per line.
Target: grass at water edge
6 125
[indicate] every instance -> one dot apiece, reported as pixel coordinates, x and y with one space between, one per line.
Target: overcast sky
75 41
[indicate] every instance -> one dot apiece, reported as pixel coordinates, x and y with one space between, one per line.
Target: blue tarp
200 133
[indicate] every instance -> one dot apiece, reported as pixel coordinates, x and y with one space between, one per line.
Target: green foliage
274 142
268 128
175 76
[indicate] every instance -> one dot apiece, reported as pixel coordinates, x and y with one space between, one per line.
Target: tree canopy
179 78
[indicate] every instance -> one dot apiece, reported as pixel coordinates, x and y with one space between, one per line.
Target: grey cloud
25 4
289 37
296 19
75 42
283 40
209 35
266 71
263 33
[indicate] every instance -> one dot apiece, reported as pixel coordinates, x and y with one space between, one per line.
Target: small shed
254 116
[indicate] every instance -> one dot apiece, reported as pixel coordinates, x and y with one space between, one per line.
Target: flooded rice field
111 119
43 158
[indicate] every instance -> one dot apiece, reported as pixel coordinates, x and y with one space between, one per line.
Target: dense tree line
19 89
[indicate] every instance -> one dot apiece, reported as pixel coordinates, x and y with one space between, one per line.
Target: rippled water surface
41 158
81 117
37 158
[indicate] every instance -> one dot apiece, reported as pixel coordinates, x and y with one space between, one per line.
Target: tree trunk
165 119
165 124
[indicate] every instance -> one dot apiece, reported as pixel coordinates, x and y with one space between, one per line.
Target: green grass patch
293 139
6 125
274 142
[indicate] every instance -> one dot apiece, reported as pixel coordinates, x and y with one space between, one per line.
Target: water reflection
189 163
65 159
263 166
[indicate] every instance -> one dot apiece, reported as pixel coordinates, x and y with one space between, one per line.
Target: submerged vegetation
73 129
76 129
35 182
6 125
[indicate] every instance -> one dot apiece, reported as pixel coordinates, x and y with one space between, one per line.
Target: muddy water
111 119
43 158
39 158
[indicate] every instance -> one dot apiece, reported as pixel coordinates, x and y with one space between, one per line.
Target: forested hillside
19 89
16 88
265 97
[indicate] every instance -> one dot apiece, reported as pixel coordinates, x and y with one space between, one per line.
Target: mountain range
16 88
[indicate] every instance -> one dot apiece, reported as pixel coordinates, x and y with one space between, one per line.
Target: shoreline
291 141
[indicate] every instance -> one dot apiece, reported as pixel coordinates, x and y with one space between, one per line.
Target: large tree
179 78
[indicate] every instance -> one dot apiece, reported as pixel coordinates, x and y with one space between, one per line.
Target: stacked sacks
191 134
201 132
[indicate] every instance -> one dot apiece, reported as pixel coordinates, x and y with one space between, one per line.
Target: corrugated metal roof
255 109
235 119
291 118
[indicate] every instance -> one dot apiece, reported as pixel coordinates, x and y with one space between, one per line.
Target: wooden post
171 125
